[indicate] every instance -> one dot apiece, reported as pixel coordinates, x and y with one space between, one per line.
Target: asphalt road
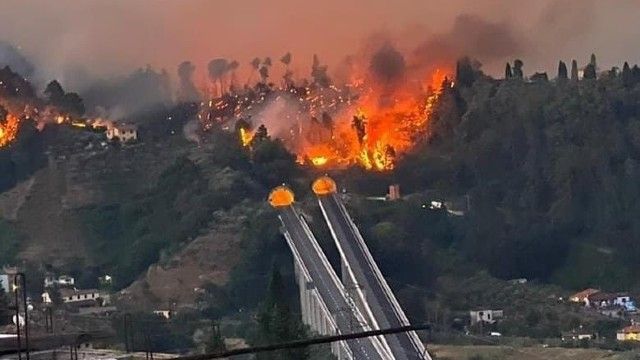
380 304
331 293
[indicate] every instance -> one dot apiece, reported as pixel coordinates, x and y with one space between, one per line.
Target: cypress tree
517 69
635 74
627 76
589 72
574 70
508 74
215 344
593 62
562 71
276 322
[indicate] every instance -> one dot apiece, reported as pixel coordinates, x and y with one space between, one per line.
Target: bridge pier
313 314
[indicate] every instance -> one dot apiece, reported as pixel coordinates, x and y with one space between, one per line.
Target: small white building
487 316
78 297
394 192
165 314
4 283
122 132
62 280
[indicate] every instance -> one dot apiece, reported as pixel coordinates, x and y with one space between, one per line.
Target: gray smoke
489 42
12 57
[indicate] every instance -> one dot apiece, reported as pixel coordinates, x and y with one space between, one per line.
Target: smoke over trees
187 91
388 64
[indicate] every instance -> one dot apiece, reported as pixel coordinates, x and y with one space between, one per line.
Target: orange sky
106 37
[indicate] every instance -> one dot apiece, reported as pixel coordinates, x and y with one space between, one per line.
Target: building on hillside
122 132
4 283
487 316
606 300
165 314
7 276
576 335
61 281
394 192
78 297
629 333
582 296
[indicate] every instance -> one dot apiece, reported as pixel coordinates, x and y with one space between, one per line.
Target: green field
496 352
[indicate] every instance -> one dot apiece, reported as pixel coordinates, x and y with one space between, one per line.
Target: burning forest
19 104
378 112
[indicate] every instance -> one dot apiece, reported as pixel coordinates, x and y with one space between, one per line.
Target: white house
4 283
122 132
84 297
165 314
488 316
62 280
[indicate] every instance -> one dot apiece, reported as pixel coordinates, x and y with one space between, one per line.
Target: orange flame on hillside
380 126
370 121
8 129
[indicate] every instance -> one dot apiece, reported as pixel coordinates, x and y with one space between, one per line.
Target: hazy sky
114 36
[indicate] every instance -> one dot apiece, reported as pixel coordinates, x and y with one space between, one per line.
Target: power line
304 343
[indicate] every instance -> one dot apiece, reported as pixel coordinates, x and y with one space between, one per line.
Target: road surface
331 291
381 302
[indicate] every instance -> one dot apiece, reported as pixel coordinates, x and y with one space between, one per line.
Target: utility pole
16 287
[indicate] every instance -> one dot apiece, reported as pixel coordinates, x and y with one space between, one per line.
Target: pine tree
574 70
508 74
215 343
276 323
589 72
627 76
562 71
517 69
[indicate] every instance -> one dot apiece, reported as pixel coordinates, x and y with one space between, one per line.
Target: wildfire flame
246 137
9 129
364 122
383 126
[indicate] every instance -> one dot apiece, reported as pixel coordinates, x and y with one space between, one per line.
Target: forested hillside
551 171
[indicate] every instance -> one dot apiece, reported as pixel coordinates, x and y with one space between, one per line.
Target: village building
122 132
569 336
608 300
629 333
78 297
7 277
582 296
394 192
487 316
4 283
61 281
165 314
